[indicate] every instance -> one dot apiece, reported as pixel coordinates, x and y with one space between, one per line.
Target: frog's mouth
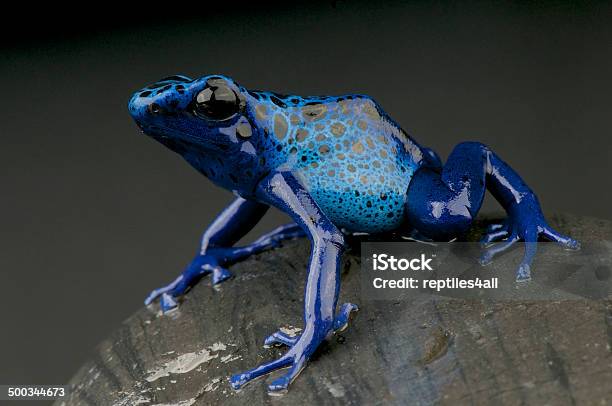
180 143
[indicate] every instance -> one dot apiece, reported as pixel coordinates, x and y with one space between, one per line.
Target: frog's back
354 160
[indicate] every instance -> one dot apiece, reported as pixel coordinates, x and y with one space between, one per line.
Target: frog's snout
162 98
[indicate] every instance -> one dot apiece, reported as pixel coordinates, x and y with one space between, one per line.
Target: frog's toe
343 317
494 232
495 227
163 290
523 274
562 239
282 337
238 381
281 384
493 236
488 254
167 303
220 274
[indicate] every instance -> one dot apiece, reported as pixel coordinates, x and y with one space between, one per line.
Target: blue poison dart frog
337 165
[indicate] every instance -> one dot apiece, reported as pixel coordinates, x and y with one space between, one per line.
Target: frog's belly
360 201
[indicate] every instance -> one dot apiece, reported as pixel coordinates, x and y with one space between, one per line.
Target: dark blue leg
217 253
341 322
284 191
273 239
443 205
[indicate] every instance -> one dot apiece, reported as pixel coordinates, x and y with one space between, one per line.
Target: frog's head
185 114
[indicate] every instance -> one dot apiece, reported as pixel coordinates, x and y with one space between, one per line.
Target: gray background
94 214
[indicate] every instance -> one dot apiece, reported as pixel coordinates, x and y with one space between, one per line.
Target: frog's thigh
434 209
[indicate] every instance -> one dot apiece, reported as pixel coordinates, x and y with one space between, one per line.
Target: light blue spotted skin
355 162
336 166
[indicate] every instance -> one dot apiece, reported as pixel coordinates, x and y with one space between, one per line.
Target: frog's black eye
216 103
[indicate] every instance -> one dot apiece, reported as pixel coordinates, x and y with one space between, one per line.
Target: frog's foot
238 381
214 262
290 336
302 346
200 266
296 359
527 228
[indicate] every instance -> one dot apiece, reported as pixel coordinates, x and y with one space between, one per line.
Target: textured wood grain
424 351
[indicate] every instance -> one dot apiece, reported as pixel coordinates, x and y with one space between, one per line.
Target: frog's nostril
139 106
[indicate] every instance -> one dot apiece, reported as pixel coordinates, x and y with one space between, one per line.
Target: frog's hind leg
290 337
442 202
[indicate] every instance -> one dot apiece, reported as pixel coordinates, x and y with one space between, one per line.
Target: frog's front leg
341 322
216 252
285 192
442 203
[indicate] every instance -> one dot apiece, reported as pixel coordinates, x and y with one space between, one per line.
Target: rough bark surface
426 351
